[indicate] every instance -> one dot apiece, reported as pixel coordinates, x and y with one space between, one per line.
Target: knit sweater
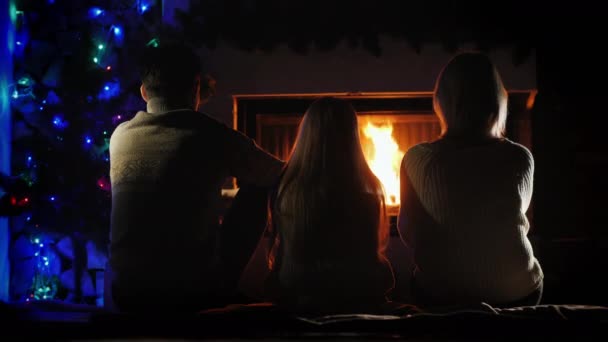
463 214
167 169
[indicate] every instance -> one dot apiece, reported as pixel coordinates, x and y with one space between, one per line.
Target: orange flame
384 158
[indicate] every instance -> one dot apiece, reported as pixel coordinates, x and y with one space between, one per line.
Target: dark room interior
68 79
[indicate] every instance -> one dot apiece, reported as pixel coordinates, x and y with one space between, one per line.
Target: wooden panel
277 134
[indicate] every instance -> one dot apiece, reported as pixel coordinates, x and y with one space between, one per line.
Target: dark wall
569 138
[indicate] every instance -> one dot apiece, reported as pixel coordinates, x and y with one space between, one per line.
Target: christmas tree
75 80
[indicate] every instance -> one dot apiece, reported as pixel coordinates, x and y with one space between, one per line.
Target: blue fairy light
110 89
88 140
95 12
117 31
59 122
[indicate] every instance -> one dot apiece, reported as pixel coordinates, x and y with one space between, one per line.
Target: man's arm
250 164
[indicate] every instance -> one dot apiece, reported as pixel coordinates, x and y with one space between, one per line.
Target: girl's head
470 98
328 146
327 165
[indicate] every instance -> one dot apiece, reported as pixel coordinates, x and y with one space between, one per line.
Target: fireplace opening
389 124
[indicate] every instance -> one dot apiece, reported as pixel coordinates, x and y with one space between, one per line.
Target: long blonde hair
470 98
327 164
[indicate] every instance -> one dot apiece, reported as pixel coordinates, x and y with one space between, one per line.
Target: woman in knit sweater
464 197
329 219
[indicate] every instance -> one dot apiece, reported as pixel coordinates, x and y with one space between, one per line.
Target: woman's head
470 98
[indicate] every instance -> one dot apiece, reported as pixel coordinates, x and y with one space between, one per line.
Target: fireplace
389 123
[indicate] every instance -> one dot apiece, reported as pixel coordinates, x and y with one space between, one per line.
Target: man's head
171 72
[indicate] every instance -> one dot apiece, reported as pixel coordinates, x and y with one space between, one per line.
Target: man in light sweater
168 249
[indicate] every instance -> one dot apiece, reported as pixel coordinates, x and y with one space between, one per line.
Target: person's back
328 217
471 244
464 197
168 165
331 262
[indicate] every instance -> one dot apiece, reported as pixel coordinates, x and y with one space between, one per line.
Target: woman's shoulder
418 154
421 149
518 152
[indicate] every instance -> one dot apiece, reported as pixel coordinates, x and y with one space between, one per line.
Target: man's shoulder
124 126
220 128
212 121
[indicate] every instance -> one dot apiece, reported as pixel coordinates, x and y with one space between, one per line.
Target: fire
384 158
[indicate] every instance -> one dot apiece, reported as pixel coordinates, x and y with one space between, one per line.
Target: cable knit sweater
463 214
167 169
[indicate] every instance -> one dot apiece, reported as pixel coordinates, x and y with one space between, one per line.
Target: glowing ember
384 158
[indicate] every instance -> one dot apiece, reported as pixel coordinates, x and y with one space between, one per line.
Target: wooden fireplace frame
247 107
